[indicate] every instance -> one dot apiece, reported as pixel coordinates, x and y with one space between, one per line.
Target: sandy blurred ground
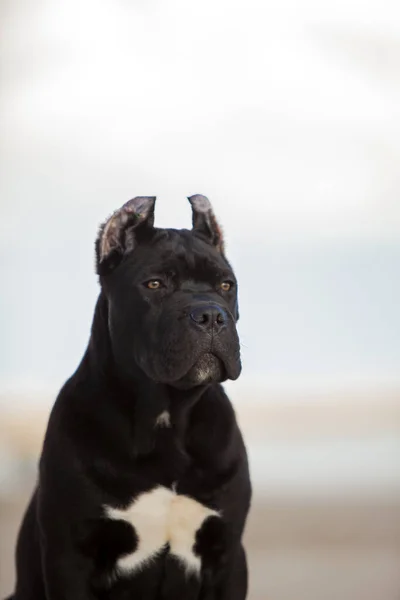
305 541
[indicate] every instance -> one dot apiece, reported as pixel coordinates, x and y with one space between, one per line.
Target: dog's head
171 295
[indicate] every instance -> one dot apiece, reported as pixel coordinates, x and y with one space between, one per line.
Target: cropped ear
118 235
204 221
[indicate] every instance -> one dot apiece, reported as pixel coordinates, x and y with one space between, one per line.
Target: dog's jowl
143 487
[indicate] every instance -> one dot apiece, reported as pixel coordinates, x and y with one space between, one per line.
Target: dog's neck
147 403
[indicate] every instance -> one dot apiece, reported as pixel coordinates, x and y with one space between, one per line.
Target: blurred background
287 115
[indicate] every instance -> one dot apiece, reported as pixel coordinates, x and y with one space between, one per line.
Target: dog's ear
204 221
119 233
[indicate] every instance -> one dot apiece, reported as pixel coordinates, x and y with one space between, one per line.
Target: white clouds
233 100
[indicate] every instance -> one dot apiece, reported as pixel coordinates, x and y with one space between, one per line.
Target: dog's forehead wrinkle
180 256
178 244
183 240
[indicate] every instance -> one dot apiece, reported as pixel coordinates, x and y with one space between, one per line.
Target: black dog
144 487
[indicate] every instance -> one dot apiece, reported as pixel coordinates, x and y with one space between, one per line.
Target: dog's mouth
208 368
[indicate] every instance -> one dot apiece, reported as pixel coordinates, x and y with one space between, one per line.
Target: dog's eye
154 284
226 286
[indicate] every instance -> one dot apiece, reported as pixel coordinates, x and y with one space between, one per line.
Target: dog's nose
209 317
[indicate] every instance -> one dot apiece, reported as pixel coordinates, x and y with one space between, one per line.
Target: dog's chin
207 369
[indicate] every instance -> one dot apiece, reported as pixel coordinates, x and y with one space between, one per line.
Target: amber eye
226 286
154 284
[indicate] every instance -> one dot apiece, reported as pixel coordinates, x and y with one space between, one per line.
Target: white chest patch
163 419
162 517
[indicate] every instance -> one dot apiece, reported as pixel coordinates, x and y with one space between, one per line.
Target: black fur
147 354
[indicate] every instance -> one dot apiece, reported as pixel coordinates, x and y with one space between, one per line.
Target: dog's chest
162 519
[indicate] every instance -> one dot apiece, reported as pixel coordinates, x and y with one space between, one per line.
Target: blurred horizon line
263 389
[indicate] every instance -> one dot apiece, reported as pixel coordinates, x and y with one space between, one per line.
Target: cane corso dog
143 487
